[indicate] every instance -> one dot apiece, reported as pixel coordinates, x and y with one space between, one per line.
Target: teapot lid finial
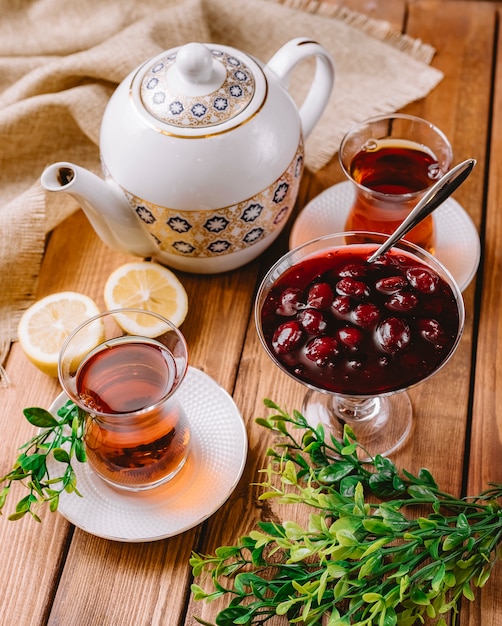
195 64
199 86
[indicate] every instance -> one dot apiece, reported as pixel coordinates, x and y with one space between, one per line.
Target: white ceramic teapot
202 153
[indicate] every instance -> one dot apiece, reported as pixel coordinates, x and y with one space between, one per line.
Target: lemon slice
147 286
45 325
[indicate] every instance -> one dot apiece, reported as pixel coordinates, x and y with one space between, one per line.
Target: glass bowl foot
381 424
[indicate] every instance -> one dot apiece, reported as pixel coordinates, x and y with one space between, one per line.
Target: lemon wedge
46 324
147 286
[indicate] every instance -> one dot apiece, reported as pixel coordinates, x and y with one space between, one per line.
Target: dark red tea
392 168
351 327
123 377
395 168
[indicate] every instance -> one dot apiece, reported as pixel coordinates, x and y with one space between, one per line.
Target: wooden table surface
54 573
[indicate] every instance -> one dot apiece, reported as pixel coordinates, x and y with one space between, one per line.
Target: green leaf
398 484
404 585
433 548
273 529
375 545
17 515
359 499
294 531
54 503
25 503
226 552
388 618
299 553
243 582
257 556
393 518
438 578
80 452
382 485
40 417
467 563
467 592
419 597
454 540
349 450
426 523
3 496
336 570
32 462
352 524
370 566
346 538
69 410
421 491
376 527
61 455
372 597
261 421
289 473
260 539
39 473
285 606
348 485
427 478
332 474
198 593
234 615
463 523
483 577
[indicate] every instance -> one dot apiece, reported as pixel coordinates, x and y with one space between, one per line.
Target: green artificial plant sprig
58 439
354 563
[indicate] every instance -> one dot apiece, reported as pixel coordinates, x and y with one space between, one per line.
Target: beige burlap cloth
60 62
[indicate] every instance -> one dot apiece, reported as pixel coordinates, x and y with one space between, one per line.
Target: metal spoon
436 195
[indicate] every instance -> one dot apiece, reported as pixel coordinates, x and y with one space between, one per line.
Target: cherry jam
344 325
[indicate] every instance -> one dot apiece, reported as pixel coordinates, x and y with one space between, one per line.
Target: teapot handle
287 57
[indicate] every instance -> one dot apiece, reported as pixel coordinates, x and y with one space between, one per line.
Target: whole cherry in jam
313 321
320 296
322 350
350 336
290 301
393 334
287 337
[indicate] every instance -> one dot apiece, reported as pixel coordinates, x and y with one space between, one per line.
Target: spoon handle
436 195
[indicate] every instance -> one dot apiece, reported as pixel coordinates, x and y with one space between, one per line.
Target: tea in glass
137 434
393 161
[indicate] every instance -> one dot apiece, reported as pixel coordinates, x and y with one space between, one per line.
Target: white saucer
457 240
213 468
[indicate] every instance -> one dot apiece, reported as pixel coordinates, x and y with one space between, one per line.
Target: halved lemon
45 325
148 286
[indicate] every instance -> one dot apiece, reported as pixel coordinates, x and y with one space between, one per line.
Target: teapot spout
107 211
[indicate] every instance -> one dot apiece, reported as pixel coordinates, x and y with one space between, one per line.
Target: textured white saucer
457 240
213 468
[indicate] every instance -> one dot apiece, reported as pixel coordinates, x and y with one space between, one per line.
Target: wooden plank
486 438
35 553
31 554
442 403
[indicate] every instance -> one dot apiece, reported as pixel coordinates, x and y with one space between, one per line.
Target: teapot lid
197 87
